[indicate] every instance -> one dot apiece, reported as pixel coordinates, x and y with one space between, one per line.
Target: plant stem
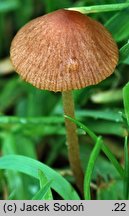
72 140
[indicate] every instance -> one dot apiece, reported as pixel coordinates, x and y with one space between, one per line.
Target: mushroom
62 51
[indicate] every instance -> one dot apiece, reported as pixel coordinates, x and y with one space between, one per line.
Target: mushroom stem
72 139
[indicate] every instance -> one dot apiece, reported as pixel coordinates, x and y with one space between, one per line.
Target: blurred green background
31 120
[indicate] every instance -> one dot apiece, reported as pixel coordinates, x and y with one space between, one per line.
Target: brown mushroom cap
64 50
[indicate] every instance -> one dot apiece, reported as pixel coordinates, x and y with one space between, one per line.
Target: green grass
126 166
34 163
90 167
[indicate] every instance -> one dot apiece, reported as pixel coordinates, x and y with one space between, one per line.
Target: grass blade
12 195
90 167
30 167
41 194
105 114
83 127
9 6
100 8
126 163
119 27
126 101
124 54
43 182
105 149
30 120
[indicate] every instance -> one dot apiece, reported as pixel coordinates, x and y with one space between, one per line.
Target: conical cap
64 50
